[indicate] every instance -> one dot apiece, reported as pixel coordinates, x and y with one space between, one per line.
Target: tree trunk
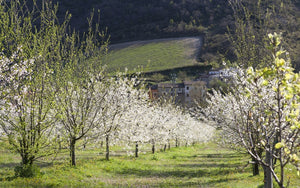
169 146
72 151
26 159
153 147
268 179
176 143
59 142
165 147
107 148
281 185
255 163
255 167
26 156
136 150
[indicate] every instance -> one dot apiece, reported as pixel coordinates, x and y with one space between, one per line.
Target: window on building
187 88
187 95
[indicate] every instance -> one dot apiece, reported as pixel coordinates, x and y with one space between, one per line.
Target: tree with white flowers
261 114
175 124
186 129
26 74
134 127
79 106
26 115
196 131
118 99
158 115
81 81
45 71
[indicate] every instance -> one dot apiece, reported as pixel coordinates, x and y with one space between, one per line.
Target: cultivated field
205 165
154 55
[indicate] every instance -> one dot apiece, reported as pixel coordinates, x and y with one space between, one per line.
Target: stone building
183 93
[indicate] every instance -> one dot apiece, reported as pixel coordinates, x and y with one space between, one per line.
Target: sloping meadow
153 55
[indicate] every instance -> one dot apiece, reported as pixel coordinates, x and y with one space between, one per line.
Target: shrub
26 171
154 157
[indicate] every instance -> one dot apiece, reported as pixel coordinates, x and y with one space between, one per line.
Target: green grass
206 165
154 55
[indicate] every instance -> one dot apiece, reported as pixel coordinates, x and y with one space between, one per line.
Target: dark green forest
130 20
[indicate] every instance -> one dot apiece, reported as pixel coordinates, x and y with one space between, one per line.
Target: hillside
131 20
147 19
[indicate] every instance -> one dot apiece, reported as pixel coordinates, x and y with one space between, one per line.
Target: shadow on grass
8 178
210 165
210 183
41 164
8 165
180 173
209 178
229 160
188 183
214 168
11 166
228 156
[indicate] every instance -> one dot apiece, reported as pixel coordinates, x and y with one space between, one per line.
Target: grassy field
206 165
153 55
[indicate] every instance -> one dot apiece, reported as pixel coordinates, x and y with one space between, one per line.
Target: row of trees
259 111
55 91
260 114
